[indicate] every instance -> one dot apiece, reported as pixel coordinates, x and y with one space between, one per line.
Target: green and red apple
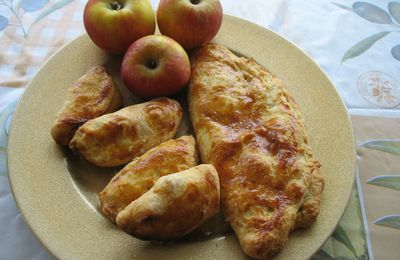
192 23
114 25
154 66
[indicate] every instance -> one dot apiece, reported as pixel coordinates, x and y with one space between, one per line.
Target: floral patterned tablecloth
357 43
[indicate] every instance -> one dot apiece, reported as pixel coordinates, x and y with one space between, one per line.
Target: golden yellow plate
56 191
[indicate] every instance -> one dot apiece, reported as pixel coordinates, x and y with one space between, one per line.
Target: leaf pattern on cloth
344 7
32 5
29 6
363 45
5 119
321 255
392 221
394 10
389 146
3 167
3 22
57 5
396 52
388 181
372 13
341 236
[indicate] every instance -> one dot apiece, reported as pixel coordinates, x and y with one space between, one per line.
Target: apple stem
115 6
195 2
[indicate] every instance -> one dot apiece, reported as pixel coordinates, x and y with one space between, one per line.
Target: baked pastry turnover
251 129
115 139
139 176
91 96
174 206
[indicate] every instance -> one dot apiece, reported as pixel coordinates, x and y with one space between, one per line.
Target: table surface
356 43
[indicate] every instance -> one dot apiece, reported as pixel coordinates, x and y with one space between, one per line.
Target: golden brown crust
174 206
117 138
250 128
92 95
139 176
309 210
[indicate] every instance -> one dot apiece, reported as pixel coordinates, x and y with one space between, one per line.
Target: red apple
192 23
154 66
113 25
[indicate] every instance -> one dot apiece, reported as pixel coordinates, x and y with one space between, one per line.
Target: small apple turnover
174 206
139 176
115 139
91 96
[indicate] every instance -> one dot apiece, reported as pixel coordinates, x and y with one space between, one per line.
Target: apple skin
155 66
115 30
192 25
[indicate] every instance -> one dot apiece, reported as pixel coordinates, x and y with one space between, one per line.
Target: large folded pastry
139 176
174 206
116 138
250 128
92 95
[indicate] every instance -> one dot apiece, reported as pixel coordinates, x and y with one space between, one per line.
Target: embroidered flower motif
379 89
